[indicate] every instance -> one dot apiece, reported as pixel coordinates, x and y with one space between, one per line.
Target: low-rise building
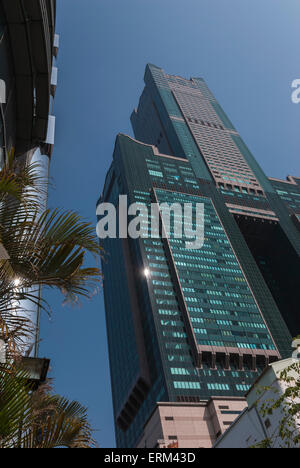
190 425
253 426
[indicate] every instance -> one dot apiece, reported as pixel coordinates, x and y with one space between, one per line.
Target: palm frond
39 249
38 419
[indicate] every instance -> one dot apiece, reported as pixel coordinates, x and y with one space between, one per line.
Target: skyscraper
189 331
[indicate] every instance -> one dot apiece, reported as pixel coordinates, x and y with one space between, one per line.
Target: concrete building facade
28 80
190 425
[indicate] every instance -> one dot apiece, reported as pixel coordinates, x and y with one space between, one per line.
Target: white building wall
252 427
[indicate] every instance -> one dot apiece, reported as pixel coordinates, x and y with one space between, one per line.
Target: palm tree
38 249
37 419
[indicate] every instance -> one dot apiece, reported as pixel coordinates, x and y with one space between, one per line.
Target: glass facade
202 322
215 289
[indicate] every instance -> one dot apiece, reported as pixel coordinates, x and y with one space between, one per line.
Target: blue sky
248 52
